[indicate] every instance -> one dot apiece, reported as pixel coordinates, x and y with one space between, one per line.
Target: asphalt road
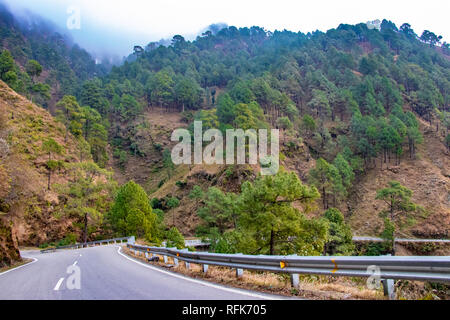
106 273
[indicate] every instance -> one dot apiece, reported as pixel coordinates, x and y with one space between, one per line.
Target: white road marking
75 263
80 254
24 265
58 284
208 284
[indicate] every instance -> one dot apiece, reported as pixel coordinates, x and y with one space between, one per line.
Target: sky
115 26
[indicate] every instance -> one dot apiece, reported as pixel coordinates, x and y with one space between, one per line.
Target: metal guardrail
90 244
400 240
422 268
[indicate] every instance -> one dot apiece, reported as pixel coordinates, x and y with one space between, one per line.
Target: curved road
106 273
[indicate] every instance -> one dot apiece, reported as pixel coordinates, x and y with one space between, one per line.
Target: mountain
364 115
375 101
65 64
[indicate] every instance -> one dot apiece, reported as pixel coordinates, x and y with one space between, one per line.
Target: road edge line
205 283
21 266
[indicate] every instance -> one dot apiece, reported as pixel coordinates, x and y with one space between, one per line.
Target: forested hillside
364 116
357 107
47 63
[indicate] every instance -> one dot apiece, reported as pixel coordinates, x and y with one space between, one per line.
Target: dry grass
311 287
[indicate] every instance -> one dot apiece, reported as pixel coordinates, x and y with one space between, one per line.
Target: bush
181 184
174 238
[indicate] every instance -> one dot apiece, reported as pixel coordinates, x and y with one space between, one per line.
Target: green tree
6 63
51 147
284 124
218 214
345 170
174 238
68 111
87 195
7 69
131 213
187 93
34 69
225 109
388 236
161 88
267 215
320 103
398 199
326 178
339 234
308 124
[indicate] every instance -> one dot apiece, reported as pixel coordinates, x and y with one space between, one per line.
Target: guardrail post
165 258
239 273
295 280
388 288
175 262
205 268
146 255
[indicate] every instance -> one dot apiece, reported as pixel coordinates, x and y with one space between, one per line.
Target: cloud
116 26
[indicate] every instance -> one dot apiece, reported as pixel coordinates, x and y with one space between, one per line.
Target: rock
9 251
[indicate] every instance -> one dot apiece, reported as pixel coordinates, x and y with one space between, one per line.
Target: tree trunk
85 228
271 243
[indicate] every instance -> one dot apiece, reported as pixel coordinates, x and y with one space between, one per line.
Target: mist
110 29
105 44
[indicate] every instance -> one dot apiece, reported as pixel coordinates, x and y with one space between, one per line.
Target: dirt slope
25 201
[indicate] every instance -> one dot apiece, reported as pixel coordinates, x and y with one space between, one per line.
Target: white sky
118 25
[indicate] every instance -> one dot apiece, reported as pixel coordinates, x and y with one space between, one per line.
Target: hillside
360 89
25 201
64 64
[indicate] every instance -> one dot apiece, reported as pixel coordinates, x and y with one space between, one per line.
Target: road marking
75 263
24 265
56 288
208 284
80 254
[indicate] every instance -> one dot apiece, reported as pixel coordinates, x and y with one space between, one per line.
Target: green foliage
388 235
87 195
173 202
131 213
218 213
267 214
6 63
327 178
261 219
339 234
168 163
196 193
398 199
308 124
33 68
174 238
